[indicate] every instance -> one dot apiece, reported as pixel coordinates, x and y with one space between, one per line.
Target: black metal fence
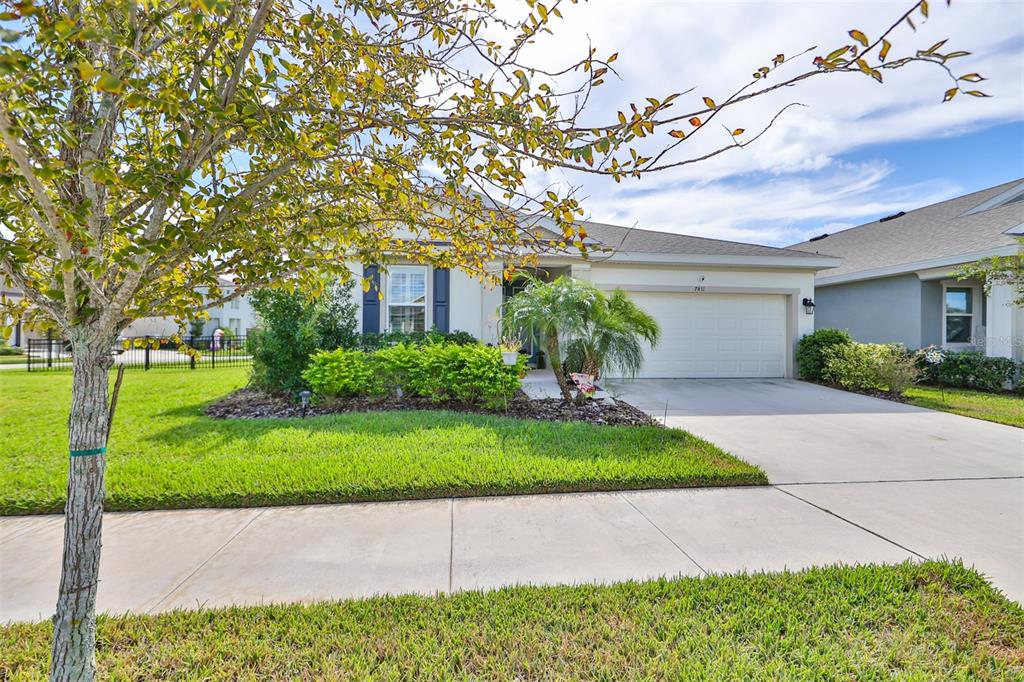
147 352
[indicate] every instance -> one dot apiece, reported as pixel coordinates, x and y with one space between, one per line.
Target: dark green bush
372 341
812 351
292 328
971 369
470 373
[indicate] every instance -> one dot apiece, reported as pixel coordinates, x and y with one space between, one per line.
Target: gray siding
931 313
885 310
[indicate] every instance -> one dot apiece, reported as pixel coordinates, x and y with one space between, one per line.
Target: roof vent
819 237
892 217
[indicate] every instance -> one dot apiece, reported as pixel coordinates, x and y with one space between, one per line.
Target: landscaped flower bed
248 403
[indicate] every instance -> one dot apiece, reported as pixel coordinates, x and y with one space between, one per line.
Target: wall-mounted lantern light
808 306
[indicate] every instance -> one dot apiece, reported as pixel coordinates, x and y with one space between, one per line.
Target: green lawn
13 359
994 407
165 454
930 621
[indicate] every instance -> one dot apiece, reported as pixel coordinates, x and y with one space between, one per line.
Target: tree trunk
74 631
554 354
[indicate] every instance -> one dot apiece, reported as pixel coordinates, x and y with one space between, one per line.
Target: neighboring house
895 284
726 309
236 315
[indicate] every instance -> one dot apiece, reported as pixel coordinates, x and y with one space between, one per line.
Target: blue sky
970 161
858 150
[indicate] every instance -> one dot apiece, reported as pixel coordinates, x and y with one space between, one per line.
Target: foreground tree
149 147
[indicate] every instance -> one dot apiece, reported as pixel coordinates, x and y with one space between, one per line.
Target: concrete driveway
935 483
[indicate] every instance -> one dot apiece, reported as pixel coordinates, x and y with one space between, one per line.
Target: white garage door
716 335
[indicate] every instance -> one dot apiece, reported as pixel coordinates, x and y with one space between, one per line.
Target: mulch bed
249 403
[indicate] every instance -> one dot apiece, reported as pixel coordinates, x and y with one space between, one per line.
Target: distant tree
148 148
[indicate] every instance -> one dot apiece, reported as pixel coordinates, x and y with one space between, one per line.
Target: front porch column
999 314
490 305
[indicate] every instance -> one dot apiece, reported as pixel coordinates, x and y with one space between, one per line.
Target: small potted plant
510 346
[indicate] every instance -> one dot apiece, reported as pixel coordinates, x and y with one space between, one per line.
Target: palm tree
551 310
601 331
611 337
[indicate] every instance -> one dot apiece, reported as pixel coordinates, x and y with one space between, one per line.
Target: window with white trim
407 298
959 312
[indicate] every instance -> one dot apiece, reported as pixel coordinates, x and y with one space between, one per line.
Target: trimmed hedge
970 369
469 373
812 351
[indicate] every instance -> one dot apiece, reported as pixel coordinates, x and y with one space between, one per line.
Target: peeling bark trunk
74 632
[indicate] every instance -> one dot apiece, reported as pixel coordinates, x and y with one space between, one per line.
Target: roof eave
912 267
801 262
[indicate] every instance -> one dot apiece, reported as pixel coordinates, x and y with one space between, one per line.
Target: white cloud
769 191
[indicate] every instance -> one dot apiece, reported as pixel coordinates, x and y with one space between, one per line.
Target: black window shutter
442 292
371 300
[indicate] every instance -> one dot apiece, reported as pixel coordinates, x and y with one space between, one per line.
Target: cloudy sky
857 151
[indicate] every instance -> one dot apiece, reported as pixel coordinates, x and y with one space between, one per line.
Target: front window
407 299
959 314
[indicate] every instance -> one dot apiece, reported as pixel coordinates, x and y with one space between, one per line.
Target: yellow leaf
924 8
738 131
110 83
859 37
709 103
950 94
86 70
884 52
677 133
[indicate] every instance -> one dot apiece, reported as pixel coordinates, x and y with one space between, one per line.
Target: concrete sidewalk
158 561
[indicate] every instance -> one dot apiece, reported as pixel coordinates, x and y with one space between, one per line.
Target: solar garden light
304 396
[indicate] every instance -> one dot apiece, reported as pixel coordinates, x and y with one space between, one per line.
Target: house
896 284
236 315
726 309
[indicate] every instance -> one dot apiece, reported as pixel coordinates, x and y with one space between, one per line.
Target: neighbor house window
959 314
407 298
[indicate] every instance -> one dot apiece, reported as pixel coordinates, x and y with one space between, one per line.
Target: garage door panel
716 335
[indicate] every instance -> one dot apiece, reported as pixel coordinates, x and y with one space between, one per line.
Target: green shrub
812 351
343 373
871 366
970 369
293 328
477 374
472 374
371 341
401 368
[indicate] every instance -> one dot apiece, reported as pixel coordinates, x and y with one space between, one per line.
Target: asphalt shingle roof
940 230
636 240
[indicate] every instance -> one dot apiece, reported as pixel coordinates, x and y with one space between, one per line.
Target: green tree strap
88 453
